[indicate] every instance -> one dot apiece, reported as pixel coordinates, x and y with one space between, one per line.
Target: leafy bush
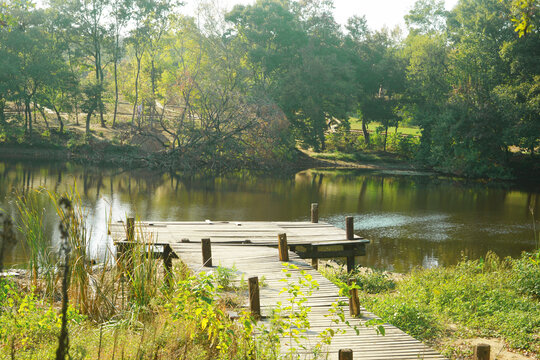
27 321
527 274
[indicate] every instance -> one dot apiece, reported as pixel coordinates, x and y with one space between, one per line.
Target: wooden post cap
314 213
481 352
206 252
345 354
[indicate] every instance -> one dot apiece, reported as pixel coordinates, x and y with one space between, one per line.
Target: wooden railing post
206 252
349 222
254 301
167 263
354 303
481 352
314 213
7 238
130 227
351 263
345 354
283 248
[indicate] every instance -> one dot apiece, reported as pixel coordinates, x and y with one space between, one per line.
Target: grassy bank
487 298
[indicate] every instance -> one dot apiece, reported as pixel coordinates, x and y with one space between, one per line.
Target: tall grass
143 275
31 209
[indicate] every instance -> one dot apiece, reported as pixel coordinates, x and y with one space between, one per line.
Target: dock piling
130 227
314 213
349 223
481 352
167 262
254 300
282 247
354 303
345 354
206 252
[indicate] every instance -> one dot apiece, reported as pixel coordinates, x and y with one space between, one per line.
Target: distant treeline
256 81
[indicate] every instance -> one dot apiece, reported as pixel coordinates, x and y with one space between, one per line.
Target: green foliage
195 303
527 274
27 321
370 281
488 297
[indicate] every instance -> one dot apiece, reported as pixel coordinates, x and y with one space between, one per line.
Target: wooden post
254 301
345 354
6 238
349 222
167 263
314 213
350 263
206 252
283 248
315 259
481 352
130 229
354 303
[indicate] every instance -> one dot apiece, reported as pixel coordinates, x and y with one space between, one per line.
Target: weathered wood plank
258 259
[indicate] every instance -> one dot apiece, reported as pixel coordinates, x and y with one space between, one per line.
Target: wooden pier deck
249 248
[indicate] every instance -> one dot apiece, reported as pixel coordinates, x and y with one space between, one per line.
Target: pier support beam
206 252
349 224
130 229
481 352
283 248
254 300
314 213
354 303
345 354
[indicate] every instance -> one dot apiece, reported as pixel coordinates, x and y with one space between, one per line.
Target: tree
88 34
295 53
121 13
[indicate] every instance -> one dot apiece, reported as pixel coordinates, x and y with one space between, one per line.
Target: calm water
412 219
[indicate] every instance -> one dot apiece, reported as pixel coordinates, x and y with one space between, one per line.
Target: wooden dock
250 248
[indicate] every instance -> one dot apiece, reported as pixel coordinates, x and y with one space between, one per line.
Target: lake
412 219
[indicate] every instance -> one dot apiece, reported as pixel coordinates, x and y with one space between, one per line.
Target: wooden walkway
259 257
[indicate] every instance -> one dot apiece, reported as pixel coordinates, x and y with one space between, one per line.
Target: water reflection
412 220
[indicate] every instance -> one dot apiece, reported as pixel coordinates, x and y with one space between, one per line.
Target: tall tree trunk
43 115
136 92
99 78
385 135
365 131
28 113
153 105
60 122
88 116
2 113
115 81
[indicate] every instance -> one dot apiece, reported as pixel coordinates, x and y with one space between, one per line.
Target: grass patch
490 297
356 124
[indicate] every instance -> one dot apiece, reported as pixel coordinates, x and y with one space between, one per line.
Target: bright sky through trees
378 12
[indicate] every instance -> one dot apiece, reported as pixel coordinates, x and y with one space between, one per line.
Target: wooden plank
258 259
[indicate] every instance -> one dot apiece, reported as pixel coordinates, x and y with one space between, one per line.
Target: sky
378 13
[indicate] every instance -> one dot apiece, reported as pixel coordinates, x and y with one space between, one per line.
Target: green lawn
356 124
